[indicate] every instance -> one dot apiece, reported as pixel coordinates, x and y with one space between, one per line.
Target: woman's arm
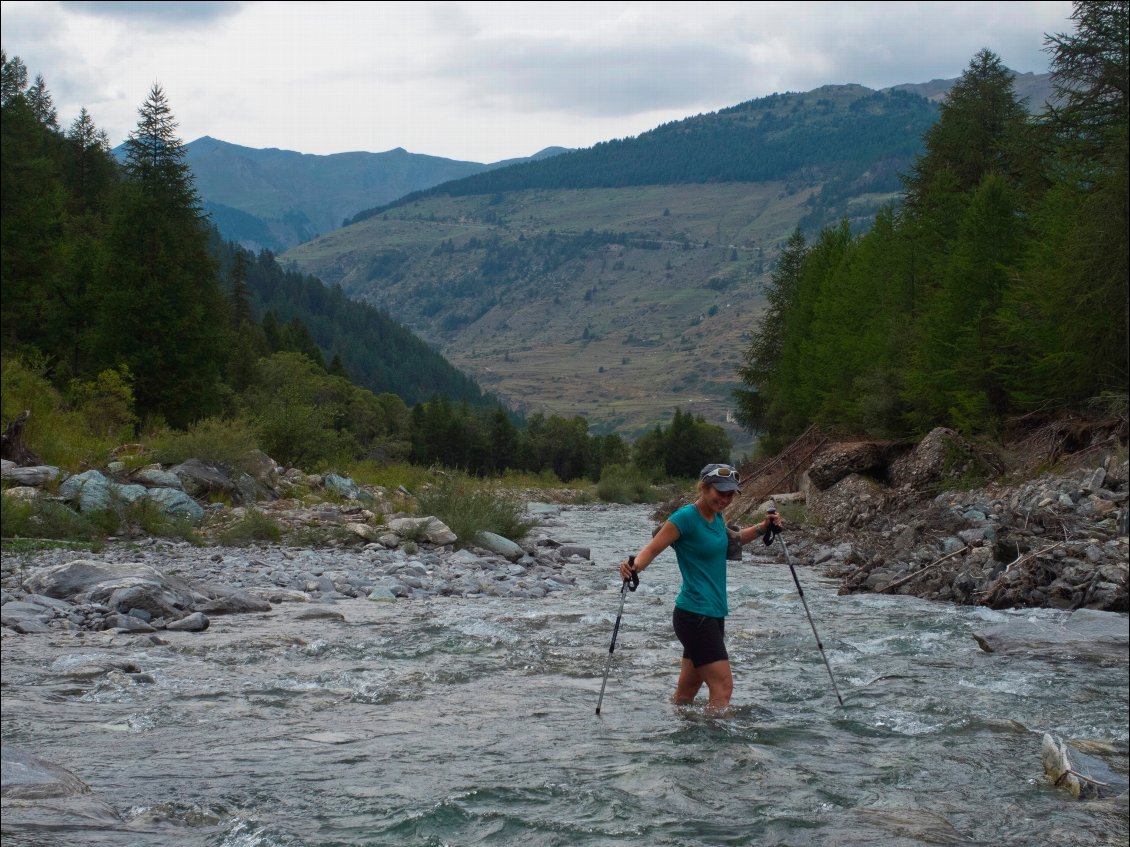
668 534
749 533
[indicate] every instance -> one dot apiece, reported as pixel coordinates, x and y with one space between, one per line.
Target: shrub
388 476
625 484
470 506
253 526
45 519
56 433
144 517
223 441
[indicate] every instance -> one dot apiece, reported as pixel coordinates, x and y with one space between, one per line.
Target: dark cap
722 477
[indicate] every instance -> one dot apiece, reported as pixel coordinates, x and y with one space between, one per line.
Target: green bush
470 506
625 484
388 476
57 433
219 440
45 519
144 517
253 526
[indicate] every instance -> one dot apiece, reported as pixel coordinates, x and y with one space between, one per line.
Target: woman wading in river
697 532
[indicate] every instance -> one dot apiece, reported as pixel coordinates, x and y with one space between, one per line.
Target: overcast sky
487 81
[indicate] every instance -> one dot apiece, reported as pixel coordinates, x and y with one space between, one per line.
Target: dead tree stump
12 445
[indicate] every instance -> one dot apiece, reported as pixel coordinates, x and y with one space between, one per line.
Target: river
459 721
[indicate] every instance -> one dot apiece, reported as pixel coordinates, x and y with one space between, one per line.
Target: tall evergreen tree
1068 316
161 308
42 104
955 377
1091 75
32 197
980 129
763 352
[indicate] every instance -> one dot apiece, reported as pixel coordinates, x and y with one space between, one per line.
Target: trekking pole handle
772 530
633 582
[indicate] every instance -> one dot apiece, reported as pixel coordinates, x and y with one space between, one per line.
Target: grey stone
568 550
154 475
176 503
196 622
126 623
497 544
35 476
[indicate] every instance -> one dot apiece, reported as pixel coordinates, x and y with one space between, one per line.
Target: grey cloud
597 80
157 14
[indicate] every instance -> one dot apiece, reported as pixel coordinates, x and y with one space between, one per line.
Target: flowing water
472 721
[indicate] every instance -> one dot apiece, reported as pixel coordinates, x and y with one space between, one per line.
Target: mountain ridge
272 198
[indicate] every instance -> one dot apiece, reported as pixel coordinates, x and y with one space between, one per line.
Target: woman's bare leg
719 682
690 681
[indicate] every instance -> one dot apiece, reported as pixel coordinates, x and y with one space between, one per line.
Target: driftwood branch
991 591
920 571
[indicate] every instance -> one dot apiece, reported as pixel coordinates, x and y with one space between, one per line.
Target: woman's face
718 500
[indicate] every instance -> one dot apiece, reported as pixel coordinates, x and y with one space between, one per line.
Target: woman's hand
626 570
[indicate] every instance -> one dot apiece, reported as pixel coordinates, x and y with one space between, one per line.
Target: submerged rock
1082 776
38 794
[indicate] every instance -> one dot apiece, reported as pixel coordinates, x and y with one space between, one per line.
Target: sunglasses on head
725 473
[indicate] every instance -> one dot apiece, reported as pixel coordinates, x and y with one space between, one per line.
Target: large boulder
838 460
497 544
341 486
121 586
176 503
941 457
262 468
430 529
93 491
40 796
852 501
155 476
204 479
35 475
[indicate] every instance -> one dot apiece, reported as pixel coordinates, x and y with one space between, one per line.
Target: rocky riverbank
153 584
1050 540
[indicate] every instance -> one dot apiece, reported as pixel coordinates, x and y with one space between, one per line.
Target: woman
697 531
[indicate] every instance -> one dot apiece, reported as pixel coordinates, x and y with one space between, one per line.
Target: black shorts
703 638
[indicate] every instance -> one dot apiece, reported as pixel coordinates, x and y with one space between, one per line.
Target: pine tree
1091 75
763 353
13 78
161 308
980 130
42 104
32 197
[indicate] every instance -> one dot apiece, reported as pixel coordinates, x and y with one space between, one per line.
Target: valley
617 304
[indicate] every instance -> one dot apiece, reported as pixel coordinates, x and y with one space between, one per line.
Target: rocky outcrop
940 520
1055 540
839 460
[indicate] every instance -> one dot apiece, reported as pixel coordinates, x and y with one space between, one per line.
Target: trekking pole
769 540
633 584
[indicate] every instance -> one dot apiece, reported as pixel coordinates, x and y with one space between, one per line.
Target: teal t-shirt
701 553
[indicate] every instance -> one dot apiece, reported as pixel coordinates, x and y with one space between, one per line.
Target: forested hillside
996 294
370 347
125 317
116 286
852 140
